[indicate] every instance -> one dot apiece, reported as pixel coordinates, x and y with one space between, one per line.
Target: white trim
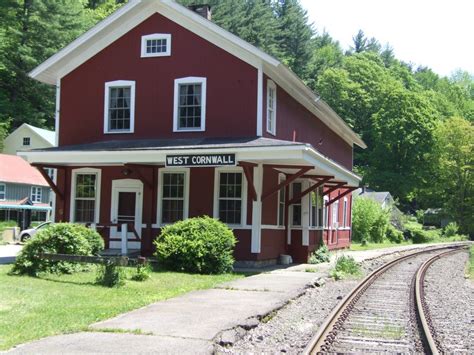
344 213
156 36
271 86
326 213
190 80
272 227
127 185
256 237
259 101
4 192
58 111
35 194
217 172
305 214
98 182
186 172
119 84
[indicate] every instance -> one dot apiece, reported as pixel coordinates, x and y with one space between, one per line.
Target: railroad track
386 312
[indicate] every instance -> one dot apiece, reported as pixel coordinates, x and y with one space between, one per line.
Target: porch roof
154 151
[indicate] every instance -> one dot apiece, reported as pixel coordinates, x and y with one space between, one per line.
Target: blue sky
438 34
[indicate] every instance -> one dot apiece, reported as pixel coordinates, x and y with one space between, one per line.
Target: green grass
32 308
371 246
345 267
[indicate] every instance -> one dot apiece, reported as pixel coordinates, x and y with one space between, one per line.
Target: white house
28 137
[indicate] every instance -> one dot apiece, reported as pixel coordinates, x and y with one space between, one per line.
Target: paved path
8 253
190 323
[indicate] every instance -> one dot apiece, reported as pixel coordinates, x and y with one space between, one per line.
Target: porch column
257 210
305 211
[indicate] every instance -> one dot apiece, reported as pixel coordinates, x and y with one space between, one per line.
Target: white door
126 207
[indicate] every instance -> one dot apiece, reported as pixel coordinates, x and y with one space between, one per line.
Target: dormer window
26 141
271 107
156 45
189 104
119 110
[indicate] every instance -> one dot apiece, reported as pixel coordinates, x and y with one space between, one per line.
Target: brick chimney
203 10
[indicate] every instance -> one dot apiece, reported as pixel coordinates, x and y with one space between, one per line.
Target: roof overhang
286 155
136 11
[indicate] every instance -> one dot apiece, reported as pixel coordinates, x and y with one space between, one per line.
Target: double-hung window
230 197
281 204
26 141
326 212
85 197
156 45
335 214
296 189
344 213
36 194
173 197
3 192
271 107
119 108
189 104
316 207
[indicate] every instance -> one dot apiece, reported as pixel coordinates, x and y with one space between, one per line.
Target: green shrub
201 245
394 235
142 272
369 221
420 216
421 236
110 275
321 255
345 265
61 238
450 230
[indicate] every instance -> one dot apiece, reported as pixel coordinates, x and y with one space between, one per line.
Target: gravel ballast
450 299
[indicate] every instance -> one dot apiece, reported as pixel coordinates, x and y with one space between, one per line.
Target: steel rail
422 308
319 342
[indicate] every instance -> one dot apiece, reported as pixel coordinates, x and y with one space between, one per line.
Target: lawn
32 308
371 246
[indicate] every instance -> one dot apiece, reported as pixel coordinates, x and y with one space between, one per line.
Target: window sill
272 133
189 130
165 54
118 132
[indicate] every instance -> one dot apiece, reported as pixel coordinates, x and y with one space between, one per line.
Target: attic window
26 141
156 45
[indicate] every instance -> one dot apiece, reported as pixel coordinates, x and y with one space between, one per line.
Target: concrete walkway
189 324
9 252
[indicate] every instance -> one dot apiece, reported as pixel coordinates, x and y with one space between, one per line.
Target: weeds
345 266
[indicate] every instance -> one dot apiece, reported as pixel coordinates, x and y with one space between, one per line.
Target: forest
417 124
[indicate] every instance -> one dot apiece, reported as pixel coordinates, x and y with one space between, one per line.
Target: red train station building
162 115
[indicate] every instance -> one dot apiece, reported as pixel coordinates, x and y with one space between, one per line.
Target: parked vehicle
28 233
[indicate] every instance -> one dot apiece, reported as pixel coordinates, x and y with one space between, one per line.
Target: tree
294 35
33 30
453 186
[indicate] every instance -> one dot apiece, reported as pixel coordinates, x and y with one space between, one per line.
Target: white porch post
124 239
257 210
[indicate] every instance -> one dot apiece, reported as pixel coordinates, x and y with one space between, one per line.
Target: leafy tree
33 30
453 186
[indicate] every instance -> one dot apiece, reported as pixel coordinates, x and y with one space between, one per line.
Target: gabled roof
136 11
378 196
15 169
48 136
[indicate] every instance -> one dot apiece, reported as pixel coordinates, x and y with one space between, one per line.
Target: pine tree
294 35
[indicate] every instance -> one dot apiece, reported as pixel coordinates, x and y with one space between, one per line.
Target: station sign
200 160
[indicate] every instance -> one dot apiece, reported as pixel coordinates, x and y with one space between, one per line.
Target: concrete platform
9 252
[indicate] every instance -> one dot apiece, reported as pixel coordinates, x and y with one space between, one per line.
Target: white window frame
36 192
217 176
29 142
156 36
326 213
163 171
190 80
344 211
98 180
118 84
335 215
281 178
316 225
273 108
4 192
